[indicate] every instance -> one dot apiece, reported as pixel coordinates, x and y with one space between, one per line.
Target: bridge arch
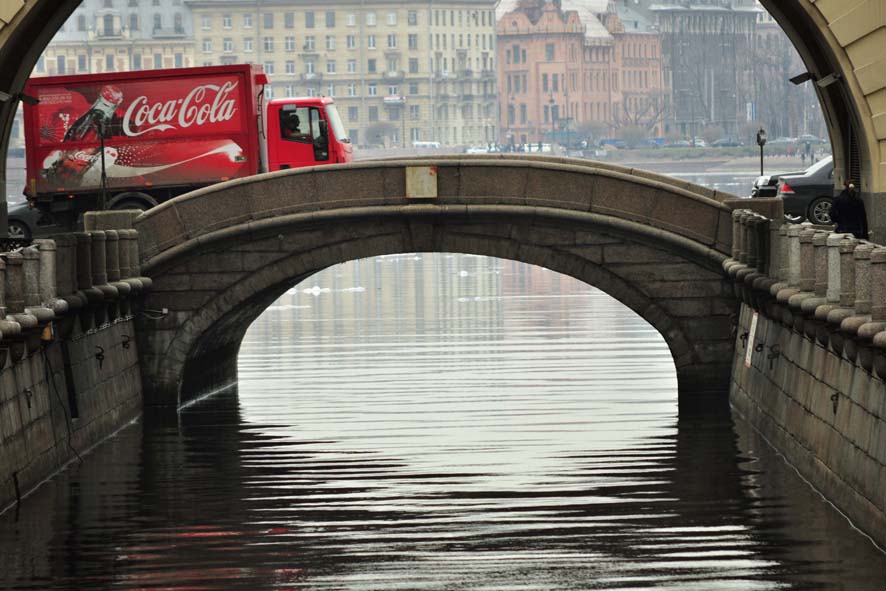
221 255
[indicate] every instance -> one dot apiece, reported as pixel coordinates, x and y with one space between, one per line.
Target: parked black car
26 223
809 194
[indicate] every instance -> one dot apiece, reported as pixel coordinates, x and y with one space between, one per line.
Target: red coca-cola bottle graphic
101 112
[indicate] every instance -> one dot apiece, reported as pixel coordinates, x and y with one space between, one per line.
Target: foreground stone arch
221 255
845 37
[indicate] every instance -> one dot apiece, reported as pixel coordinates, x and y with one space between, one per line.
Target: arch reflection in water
438 422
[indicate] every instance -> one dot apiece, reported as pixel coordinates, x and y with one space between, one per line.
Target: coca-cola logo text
207 103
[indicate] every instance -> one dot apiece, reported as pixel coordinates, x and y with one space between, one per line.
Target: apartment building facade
399 72
568 67
121 35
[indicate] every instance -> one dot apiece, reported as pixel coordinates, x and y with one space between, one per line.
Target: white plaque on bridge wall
421 182
749 348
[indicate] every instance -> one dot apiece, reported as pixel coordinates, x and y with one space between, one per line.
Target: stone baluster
135 261
65 264
736 233
878 295
33 296
807 260
129 254
783 261
8 326
834 282
794 258
869 330
745 238
862 256
15 292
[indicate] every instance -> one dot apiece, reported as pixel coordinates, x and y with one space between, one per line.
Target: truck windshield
338 130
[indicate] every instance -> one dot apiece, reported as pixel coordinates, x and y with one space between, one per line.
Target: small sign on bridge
421 182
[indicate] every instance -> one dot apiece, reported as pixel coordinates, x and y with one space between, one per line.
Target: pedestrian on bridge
849 214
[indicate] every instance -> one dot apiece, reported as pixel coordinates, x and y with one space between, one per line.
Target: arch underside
684 296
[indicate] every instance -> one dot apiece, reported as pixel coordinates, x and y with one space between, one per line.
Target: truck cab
305 132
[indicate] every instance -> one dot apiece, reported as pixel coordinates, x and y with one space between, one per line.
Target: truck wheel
138 201
820 211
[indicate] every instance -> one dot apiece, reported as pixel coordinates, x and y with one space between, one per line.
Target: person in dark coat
849 214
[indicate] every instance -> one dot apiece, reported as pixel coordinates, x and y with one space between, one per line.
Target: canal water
438 422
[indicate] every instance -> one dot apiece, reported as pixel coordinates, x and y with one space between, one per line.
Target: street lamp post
551 102
761 141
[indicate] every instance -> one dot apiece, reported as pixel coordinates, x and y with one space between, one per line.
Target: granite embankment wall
69 368
810 357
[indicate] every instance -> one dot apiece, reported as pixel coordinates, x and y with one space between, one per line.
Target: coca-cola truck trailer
148 136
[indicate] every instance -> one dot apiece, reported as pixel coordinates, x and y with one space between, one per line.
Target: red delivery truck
148 136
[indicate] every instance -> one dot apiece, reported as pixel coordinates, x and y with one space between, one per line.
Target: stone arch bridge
219 256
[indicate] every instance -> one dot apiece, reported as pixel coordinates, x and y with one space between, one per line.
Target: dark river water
438 422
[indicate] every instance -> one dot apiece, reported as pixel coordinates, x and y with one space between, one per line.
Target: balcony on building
443 75
311 77
488 74
465 73
394 75
467 97
309 51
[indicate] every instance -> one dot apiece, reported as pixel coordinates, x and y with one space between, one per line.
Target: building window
310 67
373 114
309 43
269 92
352 41
352 19
158 61
289 20
330 42
60 64
330 66
370 19
269 68
393 90
136 62
352 89
353 113
179 60
549 52
81 22
392 41
413 88
290 67
268 20
247 44
414 112
290 90
206 22
227 45
413 41
352 66
330 90
158 22
289 43
413 65
309 20
370 41
226 21
372 89
330 19
370 66
133 22
207 46
132 3
268 43
312 91
392 18
412 18
247 21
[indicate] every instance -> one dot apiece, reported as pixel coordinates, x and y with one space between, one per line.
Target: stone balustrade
828 286
85 278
